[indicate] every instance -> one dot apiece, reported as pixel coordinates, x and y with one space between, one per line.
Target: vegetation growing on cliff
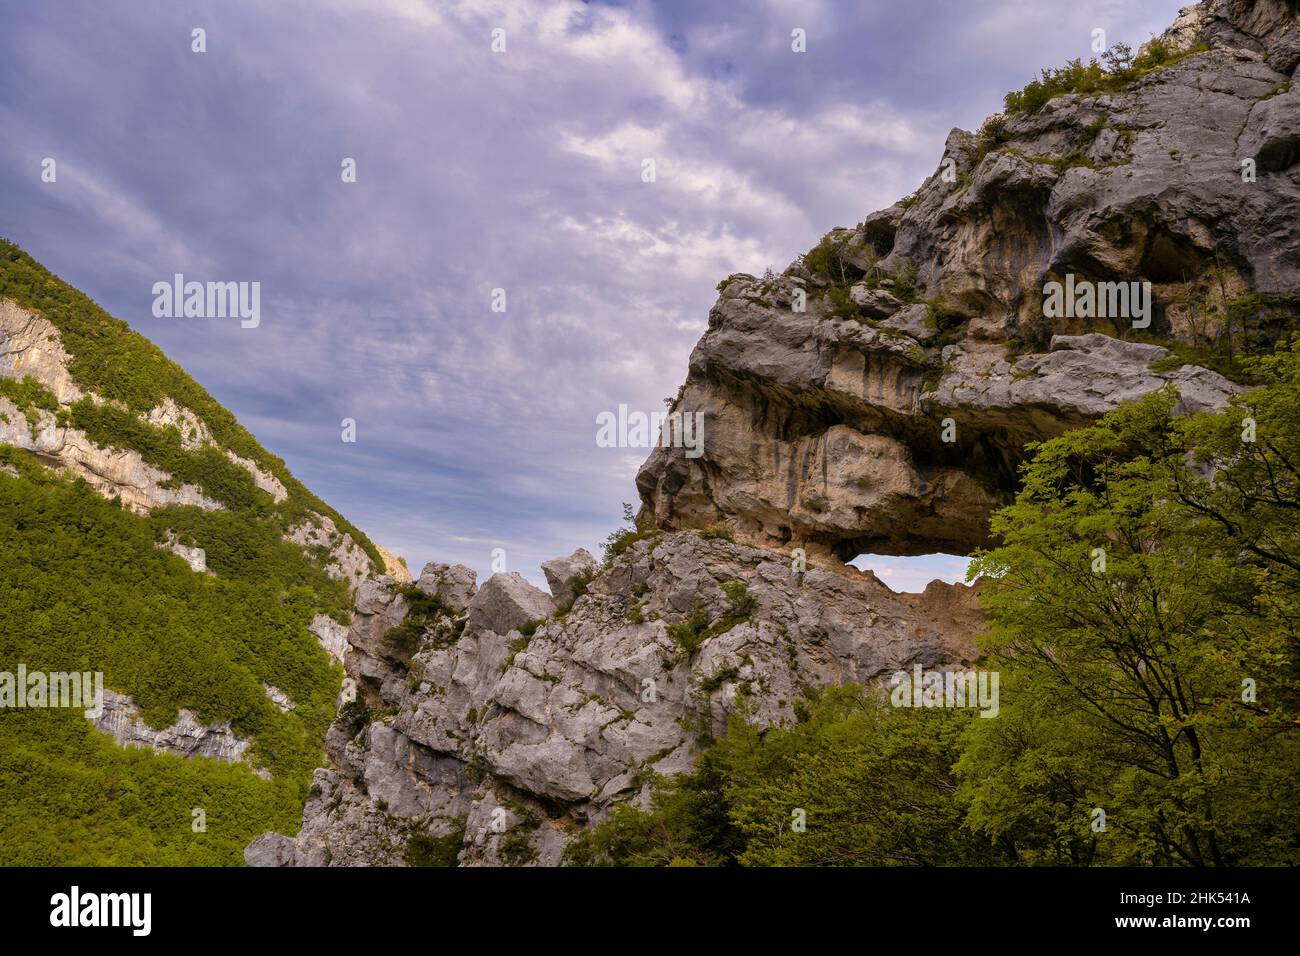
89 586
1143 619
1117 70
123 367
86 587
30 397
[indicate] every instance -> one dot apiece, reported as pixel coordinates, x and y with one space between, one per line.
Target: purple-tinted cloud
478 170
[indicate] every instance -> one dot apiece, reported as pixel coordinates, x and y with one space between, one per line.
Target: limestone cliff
481 708
826 428
888 414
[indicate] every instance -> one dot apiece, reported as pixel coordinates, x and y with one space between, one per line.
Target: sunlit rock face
891 415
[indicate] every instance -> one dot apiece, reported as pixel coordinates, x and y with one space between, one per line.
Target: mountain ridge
149 537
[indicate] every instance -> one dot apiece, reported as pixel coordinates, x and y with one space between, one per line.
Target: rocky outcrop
279 698
344 558
567 576
264 480
194 433
554 725
395 567
453 583
506 603
30 345
196 558
332 635
891 415
113 472
187 737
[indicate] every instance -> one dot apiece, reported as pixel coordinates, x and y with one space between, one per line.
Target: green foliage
740 601
1228 334
619 540
207 467
577 586
515 849
1118 69
425 612
1122 687
86 588
73 796
30 397
423 849
688 822
905 289
691 632
824 260
841 302
354 717
1160 685
947 321
874 783
992 134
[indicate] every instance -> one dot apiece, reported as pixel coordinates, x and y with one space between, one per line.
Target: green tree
1135 599
856 782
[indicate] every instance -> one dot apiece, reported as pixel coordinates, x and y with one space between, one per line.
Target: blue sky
478 170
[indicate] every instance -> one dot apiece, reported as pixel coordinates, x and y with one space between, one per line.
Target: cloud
476 171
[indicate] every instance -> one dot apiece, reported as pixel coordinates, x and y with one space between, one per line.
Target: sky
517 169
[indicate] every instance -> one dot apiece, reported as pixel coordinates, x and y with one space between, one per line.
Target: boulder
506 603
454 583
560 573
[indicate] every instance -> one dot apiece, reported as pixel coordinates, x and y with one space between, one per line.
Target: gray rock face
454 583
271 849
826 428
332 635
347 561
30 345
1082 377
278 697
267 482
196 558
561 572
114 473
506 603
875 303
187 737
522 741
